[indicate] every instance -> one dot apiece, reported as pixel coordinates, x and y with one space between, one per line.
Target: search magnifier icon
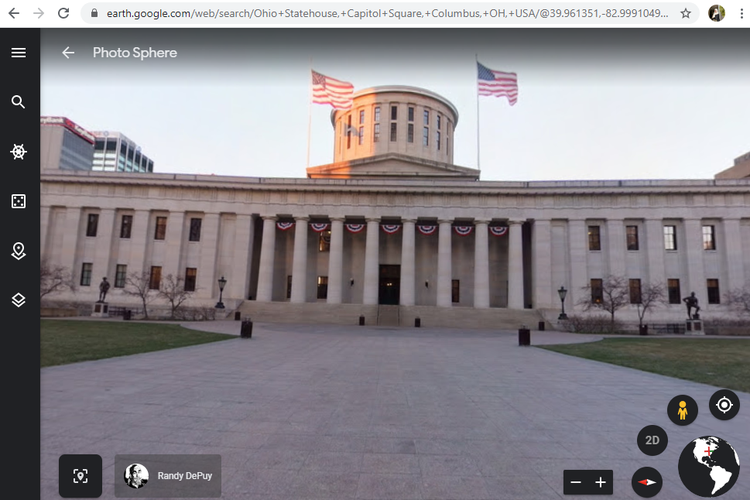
16 100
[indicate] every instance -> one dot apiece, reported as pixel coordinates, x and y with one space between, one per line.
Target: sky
593 104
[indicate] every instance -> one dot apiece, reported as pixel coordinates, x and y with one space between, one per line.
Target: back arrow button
67 52
13 12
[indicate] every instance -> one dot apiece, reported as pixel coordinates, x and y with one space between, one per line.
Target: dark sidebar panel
19 100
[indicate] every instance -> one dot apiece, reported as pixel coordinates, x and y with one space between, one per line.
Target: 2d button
682 410
647 482
652 440
80 476
724 404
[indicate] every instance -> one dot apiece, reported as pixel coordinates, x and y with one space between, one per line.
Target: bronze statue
103 289
692 303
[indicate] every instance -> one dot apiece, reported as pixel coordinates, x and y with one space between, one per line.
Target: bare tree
652 296
53 279
739 300
173 291
613 296
139 285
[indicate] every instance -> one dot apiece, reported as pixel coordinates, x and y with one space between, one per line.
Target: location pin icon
18 251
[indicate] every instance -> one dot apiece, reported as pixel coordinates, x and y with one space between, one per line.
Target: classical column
103 251
481 264
542 265
299 263
408 275
336 261
655 251
265 271
734 254
444 270
616 245
578 273
370 292
206 279
694 253
515 265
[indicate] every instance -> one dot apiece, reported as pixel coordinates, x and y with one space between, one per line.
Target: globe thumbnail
709 466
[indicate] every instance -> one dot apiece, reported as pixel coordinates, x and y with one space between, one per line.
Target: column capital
271 218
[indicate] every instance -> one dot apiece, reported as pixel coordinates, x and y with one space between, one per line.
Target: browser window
378 250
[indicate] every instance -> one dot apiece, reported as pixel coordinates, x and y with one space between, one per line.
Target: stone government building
393 230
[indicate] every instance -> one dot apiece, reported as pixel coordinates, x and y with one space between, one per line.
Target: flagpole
476 68
309 114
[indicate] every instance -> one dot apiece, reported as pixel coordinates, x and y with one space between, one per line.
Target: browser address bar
371 14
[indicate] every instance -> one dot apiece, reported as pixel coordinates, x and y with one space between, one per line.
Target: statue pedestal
100 310
694 327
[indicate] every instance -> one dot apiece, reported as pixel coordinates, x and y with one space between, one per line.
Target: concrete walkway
319 412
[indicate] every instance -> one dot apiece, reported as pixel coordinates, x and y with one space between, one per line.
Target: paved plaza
332 412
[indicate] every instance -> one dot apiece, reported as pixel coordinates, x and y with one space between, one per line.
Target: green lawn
64 341
719 362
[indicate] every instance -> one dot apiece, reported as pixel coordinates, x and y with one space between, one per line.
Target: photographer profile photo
716 13
136 476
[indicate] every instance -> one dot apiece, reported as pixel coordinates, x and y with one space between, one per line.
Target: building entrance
390 284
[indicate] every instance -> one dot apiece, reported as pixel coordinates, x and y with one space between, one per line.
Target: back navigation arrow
67 52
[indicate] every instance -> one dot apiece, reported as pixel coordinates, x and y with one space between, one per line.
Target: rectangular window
411 113
126 227
154 279
377 114
670 238
160 231
195 229
455 291
121 274
635 291
673 291
322 287
426 117
437 140
289 287
410 132
632 237
361 135
376 133
394 112
713 292
191 273
393 132
92 224
597 291
86 273
324 242
595 241
361 116
709 238
426 136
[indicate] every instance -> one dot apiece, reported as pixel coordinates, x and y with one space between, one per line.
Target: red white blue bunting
319 227
463 230
498 230
390 228
427 229
355 228
284 225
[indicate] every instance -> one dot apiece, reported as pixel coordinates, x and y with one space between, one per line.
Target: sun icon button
18 151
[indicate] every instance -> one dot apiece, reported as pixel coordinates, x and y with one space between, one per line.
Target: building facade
64 144
393 225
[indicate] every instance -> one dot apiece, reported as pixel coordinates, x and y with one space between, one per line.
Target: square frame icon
80 476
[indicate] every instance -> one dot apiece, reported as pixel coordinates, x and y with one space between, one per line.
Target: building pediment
392 166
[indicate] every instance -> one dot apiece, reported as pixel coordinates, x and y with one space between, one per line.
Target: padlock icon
94 13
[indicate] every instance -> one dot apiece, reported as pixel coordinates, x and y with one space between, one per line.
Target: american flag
327 90
498 83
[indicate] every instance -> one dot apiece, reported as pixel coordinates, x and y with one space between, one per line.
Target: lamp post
562 292
222 284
